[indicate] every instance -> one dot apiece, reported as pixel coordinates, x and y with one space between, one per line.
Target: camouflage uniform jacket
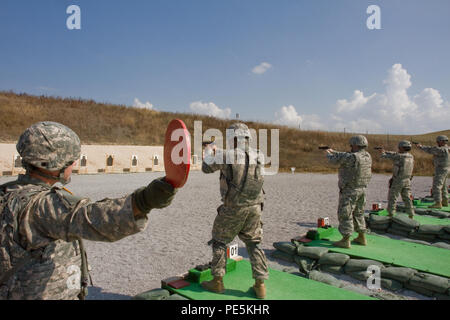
49 220
441 157
354 168
234 173
403 164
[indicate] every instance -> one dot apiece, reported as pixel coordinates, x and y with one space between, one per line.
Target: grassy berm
99 123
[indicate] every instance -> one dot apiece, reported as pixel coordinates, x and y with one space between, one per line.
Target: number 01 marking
233 250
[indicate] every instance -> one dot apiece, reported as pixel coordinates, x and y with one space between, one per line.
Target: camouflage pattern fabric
245 223
239 215
351 210
403 188
441 160
354 168
234 172
354 176
41 217
48 145
401 180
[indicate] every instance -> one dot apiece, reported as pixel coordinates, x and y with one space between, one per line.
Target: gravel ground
175 239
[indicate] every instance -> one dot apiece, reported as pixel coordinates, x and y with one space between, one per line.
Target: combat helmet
404 144
359 140
237 130
441 138
240 129
50 146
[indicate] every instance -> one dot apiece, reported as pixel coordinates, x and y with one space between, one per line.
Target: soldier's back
42 267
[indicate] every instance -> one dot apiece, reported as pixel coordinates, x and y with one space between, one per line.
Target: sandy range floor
176 237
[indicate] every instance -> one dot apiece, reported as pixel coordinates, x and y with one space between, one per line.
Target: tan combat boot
436 205
215 285
445 202
260 289
343 243
361 239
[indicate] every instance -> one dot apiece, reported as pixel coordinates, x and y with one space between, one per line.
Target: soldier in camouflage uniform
41 225
441 161
400 183
354 175
241 183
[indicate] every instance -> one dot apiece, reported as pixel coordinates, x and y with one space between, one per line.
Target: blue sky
199 56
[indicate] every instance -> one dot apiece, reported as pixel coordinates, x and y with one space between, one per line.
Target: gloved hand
157 195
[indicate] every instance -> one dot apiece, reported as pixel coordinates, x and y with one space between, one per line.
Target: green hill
98 123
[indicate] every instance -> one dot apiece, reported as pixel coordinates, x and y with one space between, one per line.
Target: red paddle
177 153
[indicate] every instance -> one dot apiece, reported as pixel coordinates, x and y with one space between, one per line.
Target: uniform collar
26 179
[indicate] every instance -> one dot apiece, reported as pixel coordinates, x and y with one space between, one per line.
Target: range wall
99 159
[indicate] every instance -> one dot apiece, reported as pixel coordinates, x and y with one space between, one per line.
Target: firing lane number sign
233 250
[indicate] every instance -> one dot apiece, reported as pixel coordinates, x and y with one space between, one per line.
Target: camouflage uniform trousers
246 223
351 210
440 185
403 188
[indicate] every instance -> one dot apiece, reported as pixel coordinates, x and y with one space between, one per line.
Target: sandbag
305 265
360 275
377 220
377 232
154 294
176 297
354 265
325 278
447 228
311 252
430 282
424 237
383 226
405 221
277 254
439 296
334 259
293 270
401 274
440 214
332 269
398 232
420 290
444 235
442 245
429 229
285 246
401 228
390 284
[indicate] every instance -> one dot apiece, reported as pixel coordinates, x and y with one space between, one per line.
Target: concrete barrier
96 159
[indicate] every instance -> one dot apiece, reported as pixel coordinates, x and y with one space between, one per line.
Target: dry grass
98 123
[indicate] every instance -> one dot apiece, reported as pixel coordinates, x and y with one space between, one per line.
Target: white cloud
393 110
139 104
289 116
210 109
356 102
262 68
